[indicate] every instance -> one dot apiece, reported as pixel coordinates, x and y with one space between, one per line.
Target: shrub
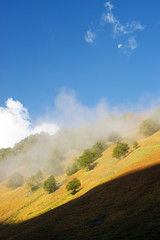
135 144
16 180
50 184
120 150
149 127
73 185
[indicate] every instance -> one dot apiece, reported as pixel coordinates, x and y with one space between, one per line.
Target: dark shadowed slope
127 207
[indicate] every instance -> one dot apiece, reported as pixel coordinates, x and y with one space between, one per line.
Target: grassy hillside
118 200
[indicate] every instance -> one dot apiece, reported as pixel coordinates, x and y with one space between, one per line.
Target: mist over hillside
54 153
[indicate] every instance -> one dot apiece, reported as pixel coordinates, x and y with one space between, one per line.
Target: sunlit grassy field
19 204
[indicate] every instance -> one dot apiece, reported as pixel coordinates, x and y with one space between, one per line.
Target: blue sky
44 48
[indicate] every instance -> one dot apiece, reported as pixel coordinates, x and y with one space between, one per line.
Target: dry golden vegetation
114 195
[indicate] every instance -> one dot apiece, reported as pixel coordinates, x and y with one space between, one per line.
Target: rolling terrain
118 199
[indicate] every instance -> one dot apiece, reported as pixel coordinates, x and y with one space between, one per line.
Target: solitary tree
50 184
73 185
120 150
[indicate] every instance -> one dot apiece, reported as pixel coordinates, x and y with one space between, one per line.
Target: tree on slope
135 145
86 159
50 184
120 150
16 180
98 148
39 175
34 181
114 137
149 127
73 185
73 169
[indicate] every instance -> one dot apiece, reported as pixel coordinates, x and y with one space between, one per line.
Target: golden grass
17 205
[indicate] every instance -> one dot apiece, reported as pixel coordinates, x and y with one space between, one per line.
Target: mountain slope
123 207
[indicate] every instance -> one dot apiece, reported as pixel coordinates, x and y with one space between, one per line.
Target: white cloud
119 29
15 124
109 6
134 25
46 127
90 36
70 112
131 43
120 45
127 30
109 18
